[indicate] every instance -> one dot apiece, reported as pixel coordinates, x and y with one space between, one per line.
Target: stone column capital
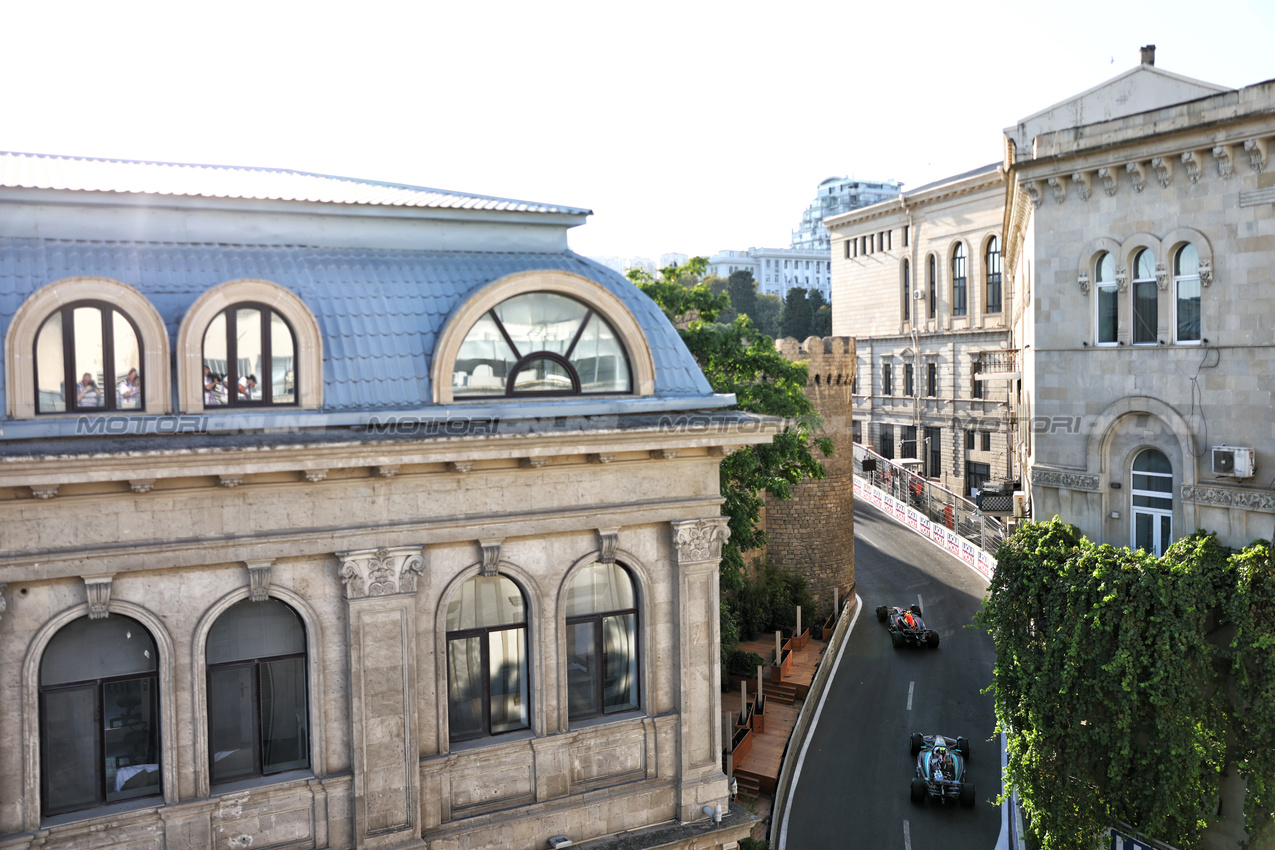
700 539
381 572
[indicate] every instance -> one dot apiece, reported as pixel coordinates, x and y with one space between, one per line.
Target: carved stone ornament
608 540
1192 161
229 480
259 579
1136 175
1083 280
601 458
491 556
1256 153
387 471
1206 273
381 572
533 462
1222 153
141 485
1229 497
98 590
1108 177
44 491
1163 170
663 454
460 466
1122 278
1081 179
1033 192
314 476
1161 276
1060 189
1065 480
700 539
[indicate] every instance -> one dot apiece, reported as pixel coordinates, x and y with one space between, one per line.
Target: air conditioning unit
919 295
1233 462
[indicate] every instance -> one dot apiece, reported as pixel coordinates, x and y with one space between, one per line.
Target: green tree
742 289
797 315
1126 684
766 317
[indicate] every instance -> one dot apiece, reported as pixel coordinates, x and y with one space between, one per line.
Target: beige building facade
336 514
917 282
1140 231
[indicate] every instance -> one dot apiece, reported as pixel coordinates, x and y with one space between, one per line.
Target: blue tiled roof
379 311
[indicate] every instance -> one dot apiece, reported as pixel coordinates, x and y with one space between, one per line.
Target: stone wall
814 531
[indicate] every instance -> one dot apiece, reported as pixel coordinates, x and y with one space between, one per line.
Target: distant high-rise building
673 259
835 196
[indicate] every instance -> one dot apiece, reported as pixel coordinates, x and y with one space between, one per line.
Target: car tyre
963 745
967 794
918 741
896 639
881 612
932 639
918 790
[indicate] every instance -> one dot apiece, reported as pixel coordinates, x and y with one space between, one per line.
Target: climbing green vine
1127 685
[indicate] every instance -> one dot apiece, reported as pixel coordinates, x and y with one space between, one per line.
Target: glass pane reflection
86 326
50 367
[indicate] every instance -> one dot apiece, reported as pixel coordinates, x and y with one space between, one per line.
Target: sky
687 127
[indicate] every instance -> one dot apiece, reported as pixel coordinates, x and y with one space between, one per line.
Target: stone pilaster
697 550
380 592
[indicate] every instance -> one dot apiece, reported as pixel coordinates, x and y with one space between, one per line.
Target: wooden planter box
800 641
759 715
741 743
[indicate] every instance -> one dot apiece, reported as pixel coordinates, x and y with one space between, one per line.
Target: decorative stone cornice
1256 153
608 541
1032 191
1192 161
491 556
1065 480
314 476
1082 280
1122 278
1163 170
1229 497
1222 153
98 590
601 458
259 579
229 480
460 466
387 471
1060 189
1108 177
381 572
1161 276
141 485
1136 175
44 491
1206 273
700 539
1081 179
533 462
663 454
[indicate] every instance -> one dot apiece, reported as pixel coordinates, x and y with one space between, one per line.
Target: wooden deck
758 771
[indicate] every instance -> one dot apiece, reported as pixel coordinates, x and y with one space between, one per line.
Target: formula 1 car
906 626
941 765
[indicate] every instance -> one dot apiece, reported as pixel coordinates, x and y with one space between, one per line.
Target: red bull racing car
906 626
941 765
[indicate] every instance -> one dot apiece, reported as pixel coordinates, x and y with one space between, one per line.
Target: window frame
992 277
909 380
934 287
1178 280
266 380
483 632
1144 283
931 379
907 290
960 281
1104 288
934 443
70 368
598 618
887 379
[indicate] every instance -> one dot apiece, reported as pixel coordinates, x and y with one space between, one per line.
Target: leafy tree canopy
1127 684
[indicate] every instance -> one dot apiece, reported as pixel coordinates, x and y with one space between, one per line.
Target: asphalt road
852 791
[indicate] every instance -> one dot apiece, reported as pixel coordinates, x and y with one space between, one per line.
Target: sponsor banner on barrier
1120 841
939 534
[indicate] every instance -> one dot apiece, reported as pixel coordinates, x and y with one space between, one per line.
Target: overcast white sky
685 126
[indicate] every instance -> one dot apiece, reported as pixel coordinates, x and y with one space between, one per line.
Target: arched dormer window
249 355
87 356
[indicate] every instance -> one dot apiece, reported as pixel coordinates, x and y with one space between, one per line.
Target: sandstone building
916 280
341 514
1140 241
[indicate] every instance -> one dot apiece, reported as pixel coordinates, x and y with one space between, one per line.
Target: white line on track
907 836
918 602
911 687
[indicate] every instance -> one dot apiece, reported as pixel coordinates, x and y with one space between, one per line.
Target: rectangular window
847 251
908 387
886 383
889 239
934 287
987 441
931 379
906 234
934 437
856 431
969 440
978 385
887 442
907 441
1145 312
1108 314
959 304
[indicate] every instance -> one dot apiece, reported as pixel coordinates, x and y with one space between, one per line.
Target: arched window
1152 495
249 358
99 715
602 646
541 343
1108 300
1146 304
1186 287
258 709
907 292
487 687
992 272
959 307
88 358
934 287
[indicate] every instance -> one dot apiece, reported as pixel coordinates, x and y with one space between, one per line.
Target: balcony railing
997 364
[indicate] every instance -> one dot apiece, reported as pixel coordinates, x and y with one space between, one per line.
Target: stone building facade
814 531
336 514
1139 241
916 282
